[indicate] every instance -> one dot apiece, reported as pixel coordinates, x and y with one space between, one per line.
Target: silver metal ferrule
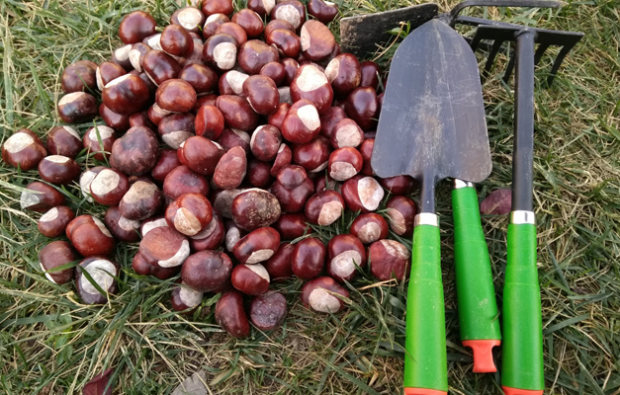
522 217
458 184
426 219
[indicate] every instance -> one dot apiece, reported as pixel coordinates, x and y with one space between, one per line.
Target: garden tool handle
522 351
477 307
425 343
454 12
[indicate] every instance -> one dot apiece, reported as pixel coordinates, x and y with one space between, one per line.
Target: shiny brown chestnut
141 201
77 107
268 311
257 246
362 193
250 21
176 41
58 169
366 151
79 76
152 223
212 23
400 213
324 11
275 71
262 94
185 299
211 237
283 158
279 265
190 214
344 254
287 42
118 122
54 222
290 69
108 187
291 11
369 227
317 41
230 315
344 163
122 229
276 24
136 53
159 66
77 221
346 133
259 173
167 161
54 255
230 169
370 74
174 129
141 119
107 72
319 295
308 258
86 179
91 238
292 188
345 74
231 138
399 185
206 271
261 7
126 94
201 154
326 183
388 259
156 114
313 155
330 118
40 197
141 266
324 208
99 140
361 106
176 95
200 77
164 247
23 149
210 7
301 123
255 208
250 279
291 226
265 142
209 122
310 83
136 152
102 272
136 26
190 18
277 117
237 112
255 54
220 51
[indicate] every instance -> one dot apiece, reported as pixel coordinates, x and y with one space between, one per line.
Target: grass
50 343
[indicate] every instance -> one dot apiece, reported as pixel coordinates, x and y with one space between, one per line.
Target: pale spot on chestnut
102 227
225 55
104 132
189 18
348 136
70 98
186 222
311 78
72 132
321 167
290 14
127 224
342 171
259 270
20 140
29 199
138 191
309 116
243 135
149 226
268 5
329 213
321 300
259 256
176 138
50 215
305 38
344 264
395 249
102 272
370 231
232 237
178 258
331 71
236 79
190 297
370 193
47 275
207 231
134 59
107 180
117 81
57 159
397 221
122 53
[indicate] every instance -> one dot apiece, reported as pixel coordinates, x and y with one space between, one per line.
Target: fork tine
540 51
509 67
497 44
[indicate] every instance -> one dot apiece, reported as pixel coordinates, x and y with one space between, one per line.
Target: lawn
50 343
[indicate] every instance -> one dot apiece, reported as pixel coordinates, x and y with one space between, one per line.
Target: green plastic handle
522 351
477 307
425 358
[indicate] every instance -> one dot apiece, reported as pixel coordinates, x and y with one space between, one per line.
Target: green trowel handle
477 306
425 357
522 354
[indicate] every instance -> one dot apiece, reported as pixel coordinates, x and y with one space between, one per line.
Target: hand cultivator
433 106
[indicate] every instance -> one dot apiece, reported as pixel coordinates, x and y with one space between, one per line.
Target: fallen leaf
193 385
97 385
497 203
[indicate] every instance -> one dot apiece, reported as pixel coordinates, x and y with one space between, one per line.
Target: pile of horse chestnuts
220 143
